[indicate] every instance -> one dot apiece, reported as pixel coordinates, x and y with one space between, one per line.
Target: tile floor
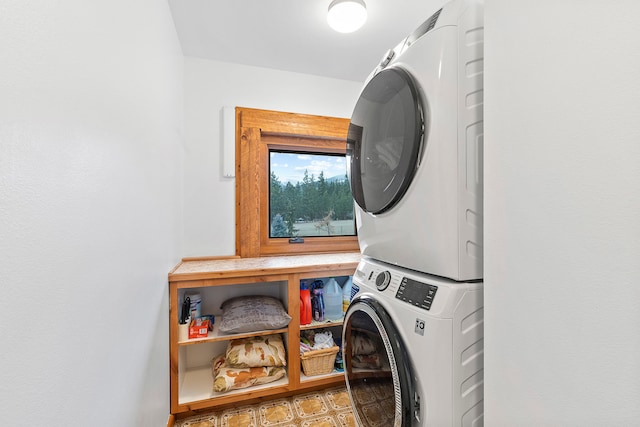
327 408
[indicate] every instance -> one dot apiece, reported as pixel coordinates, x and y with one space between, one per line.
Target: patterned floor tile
346 419
323 421
308 405
239 418
363 395
275 413
329 408
338 399
200 421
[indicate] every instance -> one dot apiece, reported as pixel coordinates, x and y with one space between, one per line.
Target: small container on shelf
317 300
306 312
346 294
319 362
183 330
332 300
199 328
195 305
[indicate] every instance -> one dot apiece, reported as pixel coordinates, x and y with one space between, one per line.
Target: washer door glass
377 368
384 140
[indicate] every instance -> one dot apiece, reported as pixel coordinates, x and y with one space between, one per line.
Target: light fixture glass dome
346 16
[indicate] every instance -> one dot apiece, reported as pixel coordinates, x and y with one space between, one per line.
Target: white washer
415 148
413 349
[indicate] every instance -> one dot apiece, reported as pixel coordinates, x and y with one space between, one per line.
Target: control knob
382 280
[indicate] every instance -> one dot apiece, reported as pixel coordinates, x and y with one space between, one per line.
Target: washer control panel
416 293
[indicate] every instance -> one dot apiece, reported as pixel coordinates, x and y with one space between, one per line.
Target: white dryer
413 349
414 148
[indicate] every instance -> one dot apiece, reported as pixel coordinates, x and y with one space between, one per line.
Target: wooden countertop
234 267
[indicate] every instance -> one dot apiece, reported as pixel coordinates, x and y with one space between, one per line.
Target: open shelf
216 335
216 281
325 324
197 385
332 374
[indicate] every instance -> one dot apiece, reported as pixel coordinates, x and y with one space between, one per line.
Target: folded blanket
266 350
226 378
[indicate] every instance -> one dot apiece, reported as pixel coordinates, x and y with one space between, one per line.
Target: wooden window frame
256 132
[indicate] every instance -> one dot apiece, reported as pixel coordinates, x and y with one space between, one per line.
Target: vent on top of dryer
423 29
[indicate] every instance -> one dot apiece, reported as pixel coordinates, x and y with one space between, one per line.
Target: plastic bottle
317 304
305 304
195 310
346 294
332 300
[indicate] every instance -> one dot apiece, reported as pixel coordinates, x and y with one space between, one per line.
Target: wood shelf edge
269 265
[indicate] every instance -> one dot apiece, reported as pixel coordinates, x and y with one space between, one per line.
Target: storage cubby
217 280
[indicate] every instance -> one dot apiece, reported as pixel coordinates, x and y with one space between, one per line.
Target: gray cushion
253 313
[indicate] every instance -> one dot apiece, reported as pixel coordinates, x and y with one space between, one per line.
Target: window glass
384 140
309 195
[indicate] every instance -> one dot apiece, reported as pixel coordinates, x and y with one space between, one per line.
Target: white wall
210 86
90 210
562 209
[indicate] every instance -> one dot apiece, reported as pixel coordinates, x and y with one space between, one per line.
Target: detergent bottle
305 304
332 300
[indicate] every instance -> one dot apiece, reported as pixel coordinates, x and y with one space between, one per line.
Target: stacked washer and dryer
413 333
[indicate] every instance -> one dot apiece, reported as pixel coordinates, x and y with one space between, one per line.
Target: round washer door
377 367
384 140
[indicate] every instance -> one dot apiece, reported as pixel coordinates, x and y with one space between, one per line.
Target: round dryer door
384 140
377 368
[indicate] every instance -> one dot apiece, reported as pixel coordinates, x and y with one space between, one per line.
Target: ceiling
293 35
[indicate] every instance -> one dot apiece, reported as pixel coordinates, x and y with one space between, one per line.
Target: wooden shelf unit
192 384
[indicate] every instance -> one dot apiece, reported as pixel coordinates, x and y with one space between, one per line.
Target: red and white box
199 328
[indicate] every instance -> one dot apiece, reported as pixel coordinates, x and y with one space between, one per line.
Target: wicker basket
318 362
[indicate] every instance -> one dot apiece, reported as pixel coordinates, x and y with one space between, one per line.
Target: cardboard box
199 328
212 320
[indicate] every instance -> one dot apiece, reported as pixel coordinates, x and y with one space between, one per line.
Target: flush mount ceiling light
346 16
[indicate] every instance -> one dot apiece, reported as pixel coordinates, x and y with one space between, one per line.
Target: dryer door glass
378 371
384 140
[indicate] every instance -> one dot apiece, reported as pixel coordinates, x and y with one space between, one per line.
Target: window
279 212
309 195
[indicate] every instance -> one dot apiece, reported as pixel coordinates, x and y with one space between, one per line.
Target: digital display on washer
416 293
